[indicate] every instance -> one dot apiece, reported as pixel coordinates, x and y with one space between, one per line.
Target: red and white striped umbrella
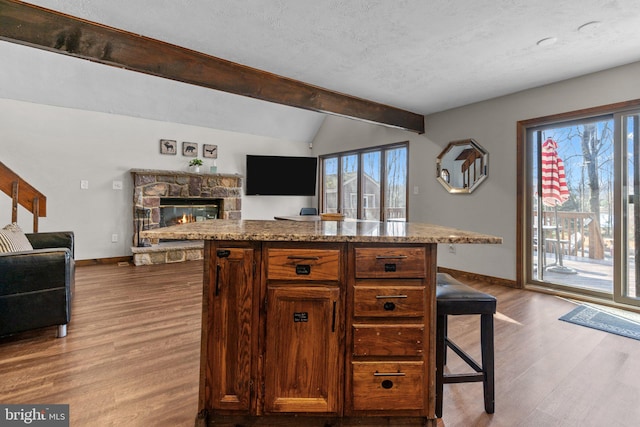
554 181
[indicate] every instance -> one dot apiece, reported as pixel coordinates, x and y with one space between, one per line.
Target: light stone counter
319 231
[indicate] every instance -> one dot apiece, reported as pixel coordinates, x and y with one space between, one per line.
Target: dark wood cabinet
337 333
318 323
390 358
302 351
231 338
304 337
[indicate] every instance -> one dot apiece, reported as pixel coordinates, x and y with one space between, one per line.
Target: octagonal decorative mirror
462 166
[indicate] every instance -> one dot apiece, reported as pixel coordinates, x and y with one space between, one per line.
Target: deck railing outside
579 233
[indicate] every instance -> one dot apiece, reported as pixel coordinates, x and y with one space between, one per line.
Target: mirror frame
445 174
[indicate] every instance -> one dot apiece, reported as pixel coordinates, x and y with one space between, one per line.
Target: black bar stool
455 298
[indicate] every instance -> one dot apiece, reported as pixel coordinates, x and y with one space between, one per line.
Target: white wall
492 207
54 148
49 78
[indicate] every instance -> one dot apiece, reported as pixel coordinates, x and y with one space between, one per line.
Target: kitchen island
319 323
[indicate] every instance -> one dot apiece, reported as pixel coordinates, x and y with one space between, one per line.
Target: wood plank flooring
132 357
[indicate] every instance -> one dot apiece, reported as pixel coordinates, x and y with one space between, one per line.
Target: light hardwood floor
132 357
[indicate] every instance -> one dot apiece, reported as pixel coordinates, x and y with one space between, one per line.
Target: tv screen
281 176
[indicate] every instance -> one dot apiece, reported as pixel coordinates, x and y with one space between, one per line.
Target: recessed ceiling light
589 26
547 42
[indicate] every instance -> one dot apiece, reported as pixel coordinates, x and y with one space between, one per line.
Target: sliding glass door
626 289
582 205
572 181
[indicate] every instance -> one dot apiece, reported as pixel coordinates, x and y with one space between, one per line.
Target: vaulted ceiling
416 55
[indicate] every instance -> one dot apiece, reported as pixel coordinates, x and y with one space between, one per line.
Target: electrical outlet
452 248
117 185
114 238
84 184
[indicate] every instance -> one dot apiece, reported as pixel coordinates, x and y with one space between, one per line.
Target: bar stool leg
486 340
441 350
445 327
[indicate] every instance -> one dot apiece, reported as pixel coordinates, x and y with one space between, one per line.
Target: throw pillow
12 239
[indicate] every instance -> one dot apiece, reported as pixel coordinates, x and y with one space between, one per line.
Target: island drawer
388 340
303 264
388 385
389 301
380 262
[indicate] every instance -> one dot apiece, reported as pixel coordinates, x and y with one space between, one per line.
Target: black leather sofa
36 287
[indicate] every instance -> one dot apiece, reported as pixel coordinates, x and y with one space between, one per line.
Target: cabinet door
302 361
231 297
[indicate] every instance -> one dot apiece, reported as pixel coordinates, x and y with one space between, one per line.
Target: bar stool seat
456 298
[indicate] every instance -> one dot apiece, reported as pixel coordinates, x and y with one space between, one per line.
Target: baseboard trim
98 261
459 274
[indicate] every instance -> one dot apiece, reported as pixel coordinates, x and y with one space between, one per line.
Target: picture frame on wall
168 146
210 151
190 149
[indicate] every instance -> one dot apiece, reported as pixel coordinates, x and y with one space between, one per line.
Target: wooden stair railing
24 194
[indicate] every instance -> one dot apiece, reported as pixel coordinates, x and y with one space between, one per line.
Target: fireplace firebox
174 211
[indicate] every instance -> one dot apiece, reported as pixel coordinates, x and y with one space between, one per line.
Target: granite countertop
319 231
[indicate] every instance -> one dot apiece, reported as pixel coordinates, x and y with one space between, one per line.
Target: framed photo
189 149
210 151
168 146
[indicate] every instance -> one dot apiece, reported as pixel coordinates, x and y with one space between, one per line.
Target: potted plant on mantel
194 165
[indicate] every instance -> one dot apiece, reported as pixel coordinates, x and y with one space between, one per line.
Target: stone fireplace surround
151 185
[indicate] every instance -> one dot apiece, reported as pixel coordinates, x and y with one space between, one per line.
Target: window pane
631 202
350 186
371 185
572 200
395 195
357 182
330 185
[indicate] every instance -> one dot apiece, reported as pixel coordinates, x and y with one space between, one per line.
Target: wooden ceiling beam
46 29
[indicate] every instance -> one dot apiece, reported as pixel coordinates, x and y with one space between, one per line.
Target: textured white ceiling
419 55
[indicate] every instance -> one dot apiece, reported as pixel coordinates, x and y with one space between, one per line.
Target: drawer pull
389 374
223 253
309 258
303 269
390 296
391 257
387 384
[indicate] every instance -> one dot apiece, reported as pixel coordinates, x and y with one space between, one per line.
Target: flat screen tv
281 176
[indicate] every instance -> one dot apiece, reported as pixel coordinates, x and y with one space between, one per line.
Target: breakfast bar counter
320 231
318 323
